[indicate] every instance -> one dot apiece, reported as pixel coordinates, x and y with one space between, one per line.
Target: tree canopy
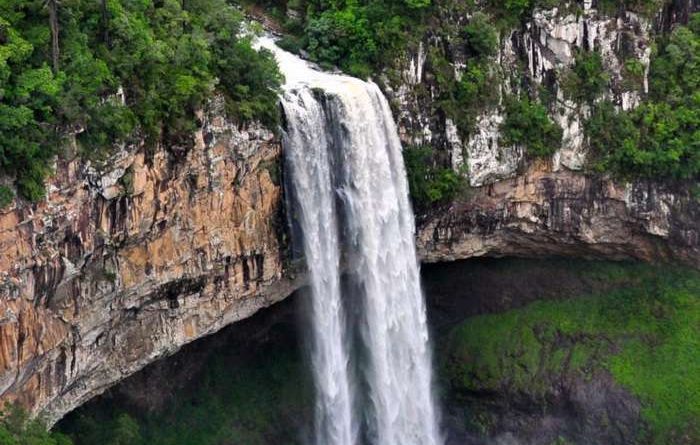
108 71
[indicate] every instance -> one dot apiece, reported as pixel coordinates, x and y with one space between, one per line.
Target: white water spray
342 146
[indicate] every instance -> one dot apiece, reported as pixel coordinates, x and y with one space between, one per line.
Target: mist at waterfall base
369 346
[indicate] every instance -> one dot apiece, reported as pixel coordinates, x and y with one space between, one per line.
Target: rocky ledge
542 212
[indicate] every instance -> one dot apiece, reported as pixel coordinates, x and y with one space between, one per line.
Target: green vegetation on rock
481 37
528 124
645 7
646 334
463 98
17 429
660 138
110 71
429 184
6 196
359 37
587 79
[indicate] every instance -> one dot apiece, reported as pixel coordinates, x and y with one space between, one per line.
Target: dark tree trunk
53 23
105 23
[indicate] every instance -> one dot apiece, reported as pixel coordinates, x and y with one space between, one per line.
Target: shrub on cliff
429 184
481 36
587 79
527 124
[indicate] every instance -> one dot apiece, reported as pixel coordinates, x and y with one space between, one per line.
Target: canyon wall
124 264
127 261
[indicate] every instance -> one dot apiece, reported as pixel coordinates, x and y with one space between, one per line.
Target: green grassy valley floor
645 334
531 352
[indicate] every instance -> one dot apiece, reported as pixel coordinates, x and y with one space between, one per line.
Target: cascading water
316 212
347 171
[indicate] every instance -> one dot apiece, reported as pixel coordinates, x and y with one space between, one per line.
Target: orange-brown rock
126 263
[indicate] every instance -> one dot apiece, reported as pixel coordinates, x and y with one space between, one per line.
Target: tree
53 24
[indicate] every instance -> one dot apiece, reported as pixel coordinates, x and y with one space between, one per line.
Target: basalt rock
124 264
543 212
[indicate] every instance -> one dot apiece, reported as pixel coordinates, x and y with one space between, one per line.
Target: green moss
646 334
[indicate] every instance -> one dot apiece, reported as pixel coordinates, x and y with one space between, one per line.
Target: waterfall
349 182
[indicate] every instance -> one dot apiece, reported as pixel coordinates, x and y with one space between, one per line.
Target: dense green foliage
510 13
125 69
429 184
249 397
587 79
633 75
29 93
6 196
646 334
480 36
358 36
661 137
463 98
645 7
528 124
17 429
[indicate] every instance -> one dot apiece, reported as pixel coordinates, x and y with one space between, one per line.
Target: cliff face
121 267
126 263
543 212
531 58
515 205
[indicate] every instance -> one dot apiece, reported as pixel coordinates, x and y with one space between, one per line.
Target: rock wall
124 264
544 212
534 56
515 205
